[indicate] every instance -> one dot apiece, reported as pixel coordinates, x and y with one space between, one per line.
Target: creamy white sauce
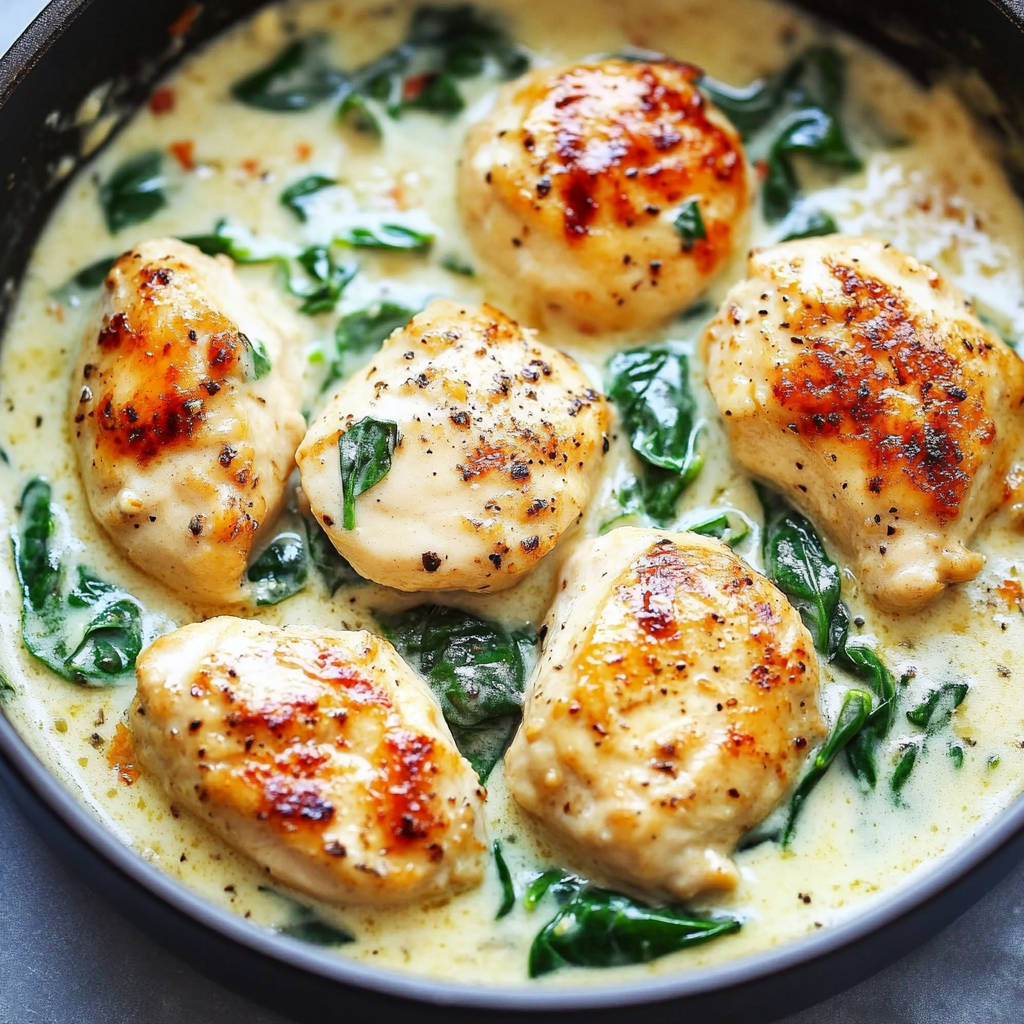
939 194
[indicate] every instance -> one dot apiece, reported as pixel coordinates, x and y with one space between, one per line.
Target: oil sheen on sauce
957 214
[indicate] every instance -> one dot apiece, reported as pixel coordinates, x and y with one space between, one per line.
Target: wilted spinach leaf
807 222
476 669
802 104
333 568
851 719
508 891
651 388
365 449
307 926
85 629
395 237
281 568
295 195
324 281
364 331
134 192
795 560
598 928
443 45
297 79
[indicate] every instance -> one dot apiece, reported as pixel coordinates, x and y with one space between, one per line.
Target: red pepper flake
185 21
761 166
162 101
121 756
250 166
185 153
303 151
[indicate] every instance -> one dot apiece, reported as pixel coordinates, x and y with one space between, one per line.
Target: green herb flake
257 360
508 891
956 755
690 224
365 449
297 79
296 195
134 192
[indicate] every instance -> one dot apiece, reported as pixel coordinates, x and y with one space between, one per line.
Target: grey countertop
66 957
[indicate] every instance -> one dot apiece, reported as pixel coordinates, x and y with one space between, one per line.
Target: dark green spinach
852 716
324 280
476 669
795 560
390 237
365 450
298 78
444 44
307 925
295 197
807 222
508 890
800 105
85 629
598 928
651 389
281 569
134 192
364 331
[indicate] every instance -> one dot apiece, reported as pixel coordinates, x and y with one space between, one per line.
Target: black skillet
74 46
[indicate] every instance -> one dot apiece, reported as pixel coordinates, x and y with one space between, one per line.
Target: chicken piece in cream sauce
499 441
575 182
859 382
320 754
185 416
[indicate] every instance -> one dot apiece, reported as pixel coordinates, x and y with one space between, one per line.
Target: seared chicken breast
575 183
321 755
185 416
497 443
860 383
672 707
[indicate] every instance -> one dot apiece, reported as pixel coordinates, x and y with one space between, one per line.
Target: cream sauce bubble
958 214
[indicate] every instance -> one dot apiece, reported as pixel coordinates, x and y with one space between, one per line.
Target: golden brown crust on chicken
672 708
183 452
573 182
858 381
319 754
